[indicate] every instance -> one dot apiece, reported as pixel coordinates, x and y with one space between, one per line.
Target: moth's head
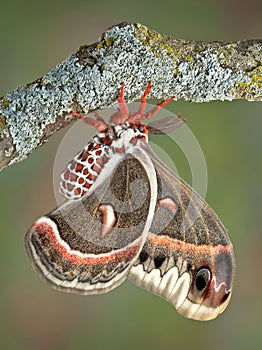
211 286
127 133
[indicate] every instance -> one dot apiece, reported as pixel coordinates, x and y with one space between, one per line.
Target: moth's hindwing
88 245
187 258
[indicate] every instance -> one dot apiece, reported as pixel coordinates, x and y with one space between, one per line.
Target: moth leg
122 114
97 123
142 107
99 118
150 114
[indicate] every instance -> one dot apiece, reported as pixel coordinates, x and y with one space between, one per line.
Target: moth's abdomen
81 173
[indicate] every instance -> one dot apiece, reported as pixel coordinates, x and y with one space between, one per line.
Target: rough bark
90 79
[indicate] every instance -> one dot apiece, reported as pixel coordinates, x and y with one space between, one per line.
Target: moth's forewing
88 245
188 257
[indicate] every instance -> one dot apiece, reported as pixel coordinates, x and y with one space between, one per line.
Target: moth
128 215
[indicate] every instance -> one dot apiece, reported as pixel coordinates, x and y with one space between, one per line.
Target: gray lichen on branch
90 79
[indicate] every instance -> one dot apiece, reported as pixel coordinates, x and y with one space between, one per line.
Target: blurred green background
35 36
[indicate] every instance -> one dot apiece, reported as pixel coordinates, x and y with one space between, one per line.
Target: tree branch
90 79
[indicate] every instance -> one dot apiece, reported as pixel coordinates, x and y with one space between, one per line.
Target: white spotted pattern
81 173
